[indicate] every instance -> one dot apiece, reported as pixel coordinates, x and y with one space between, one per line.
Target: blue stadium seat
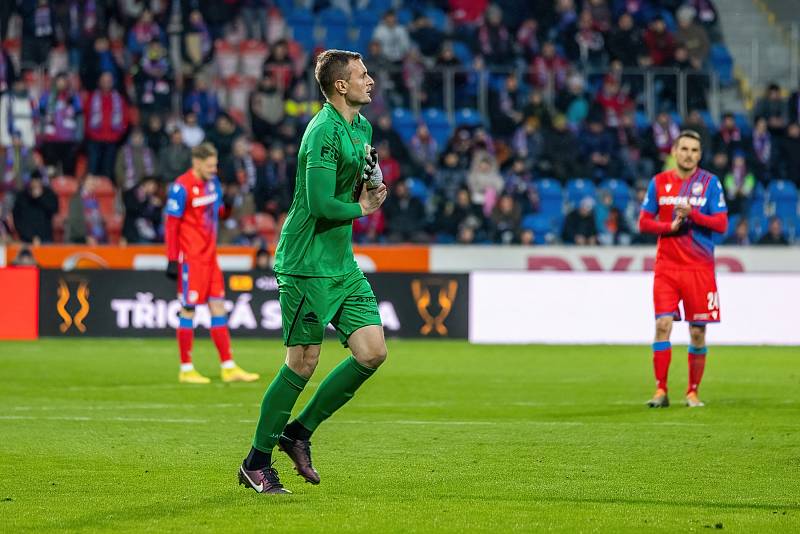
468 117
541 226
549 188
641 120
438 18
620 191
405 16
722 62
758 227
709 120
463 53
577 188
404 123
743 122
434 117
733 220
380 6
442 133
365 18
301 21
782 199
418 189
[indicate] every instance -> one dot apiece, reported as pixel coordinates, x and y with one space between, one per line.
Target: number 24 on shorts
713 300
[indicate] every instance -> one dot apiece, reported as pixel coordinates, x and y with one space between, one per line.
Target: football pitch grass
97 435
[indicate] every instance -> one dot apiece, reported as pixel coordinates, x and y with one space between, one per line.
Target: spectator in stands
263 259
198 46
216 15
143 206
405 216
145 31
107 120
425 35
223 135
18 114
613 101
610 222
661 136
254 16
202 100
19 163
579 225
240 166
6 10
527 39
528 141
8 72
239 227
596 149
369 229
449 179
175 158
601 14
155 135
692 36
537 108
484 181
134 161
34 208
494 39
519 184
267 108
729 137
274 195
279 64
38 31
97 59
719 164
80 24
574 101
424 148
505 221
153 80
455 215
299 106
393 37
560 151
773 108
625 42
775 234
384 132
790 154
191 132
446 61
505 107
740 235
62 124
762 150
696 81
659 42
696 122
633 211
390 167
549 70
587 47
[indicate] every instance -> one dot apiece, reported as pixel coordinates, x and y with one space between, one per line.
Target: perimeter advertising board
118 303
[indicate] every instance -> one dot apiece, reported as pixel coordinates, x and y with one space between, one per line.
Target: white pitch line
105 419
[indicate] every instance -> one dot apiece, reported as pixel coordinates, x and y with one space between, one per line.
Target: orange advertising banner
374 258
20 286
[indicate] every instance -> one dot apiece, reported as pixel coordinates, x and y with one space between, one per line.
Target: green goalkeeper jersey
317 237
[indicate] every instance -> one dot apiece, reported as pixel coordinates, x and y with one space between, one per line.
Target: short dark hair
204 151
690 134
333 65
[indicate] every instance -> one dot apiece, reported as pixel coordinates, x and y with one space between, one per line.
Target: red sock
185 339
697 364
662 356
222 339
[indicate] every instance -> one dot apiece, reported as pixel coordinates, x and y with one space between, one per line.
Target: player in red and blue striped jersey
194 205
685 206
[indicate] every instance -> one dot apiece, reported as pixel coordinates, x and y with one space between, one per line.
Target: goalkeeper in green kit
338 180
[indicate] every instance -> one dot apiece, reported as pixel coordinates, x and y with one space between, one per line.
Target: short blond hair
204 151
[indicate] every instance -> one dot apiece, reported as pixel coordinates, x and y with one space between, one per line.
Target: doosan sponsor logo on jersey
675 200
205 200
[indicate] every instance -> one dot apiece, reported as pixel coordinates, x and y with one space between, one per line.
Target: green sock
337 388
276 407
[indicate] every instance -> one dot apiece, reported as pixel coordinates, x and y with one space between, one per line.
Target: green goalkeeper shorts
308 304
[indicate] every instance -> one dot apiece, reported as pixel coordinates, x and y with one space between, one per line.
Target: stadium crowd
102 100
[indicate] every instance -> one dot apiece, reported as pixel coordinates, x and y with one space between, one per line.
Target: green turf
97 435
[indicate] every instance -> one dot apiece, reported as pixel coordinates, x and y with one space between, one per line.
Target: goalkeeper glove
373 176
172 270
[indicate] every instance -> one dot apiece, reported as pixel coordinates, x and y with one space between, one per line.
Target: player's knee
663 327
374 356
